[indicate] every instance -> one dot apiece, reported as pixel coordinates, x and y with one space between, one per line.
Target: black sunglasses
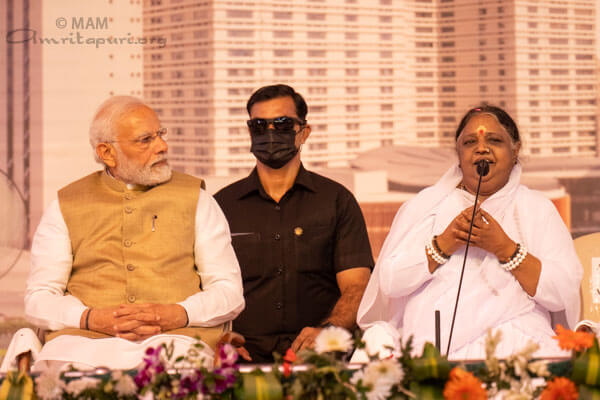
280 124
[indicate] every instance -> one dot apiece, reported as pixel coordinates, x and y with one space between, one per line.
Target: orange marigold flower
560 389
463 385
288 360
569 340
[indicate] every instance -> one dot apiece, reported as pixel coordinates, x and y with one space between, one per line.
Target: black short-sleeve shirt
289 253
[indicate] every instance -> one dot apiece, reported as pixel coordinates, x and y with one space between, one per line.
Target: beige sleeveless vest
132 245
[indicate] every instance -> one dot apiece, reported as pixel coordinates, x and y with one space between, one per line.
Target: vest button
128 196
277 236
130 267
131 299
127 243
278 305
128 210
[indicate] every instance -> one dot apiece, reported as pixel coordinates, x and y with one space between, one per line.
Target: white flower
147 396
48 385
333 338
76 386
512 395
385 371
540 368
376 390
124 384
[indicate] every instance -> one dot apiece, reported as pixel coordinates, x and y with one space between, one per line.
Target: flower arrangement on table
321 374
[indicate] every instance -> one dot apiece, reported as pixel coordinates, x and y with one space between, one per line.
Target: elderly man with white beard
128 257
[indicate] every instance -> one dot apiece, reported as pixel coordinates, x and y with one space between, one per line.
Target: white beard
147 175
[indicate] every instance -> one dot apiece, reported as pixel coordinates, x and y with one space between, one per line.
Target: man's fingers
242 352
128 336
131 324
148 317
147 330
299 340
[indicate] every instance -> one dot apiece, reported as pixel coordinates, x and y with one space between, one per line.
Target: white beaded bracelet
433 253
516 259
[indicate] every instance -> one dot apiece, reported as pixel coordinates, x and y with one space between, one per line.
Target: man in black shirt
300 238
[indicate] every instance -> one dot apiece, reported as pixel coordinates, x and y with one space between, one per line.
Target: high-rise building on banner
20 109
374 72
59 61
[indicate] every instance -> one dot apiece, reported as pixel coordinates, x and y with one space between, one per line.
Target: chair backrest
588 248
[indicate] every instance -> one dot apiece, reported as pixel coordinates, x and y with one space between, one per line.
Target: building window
283 53
316 35
316 53
283 34
240 33
317 146
279 15
238 13
240 52
317 72
237 110
318 109
315 16
317 90
283 71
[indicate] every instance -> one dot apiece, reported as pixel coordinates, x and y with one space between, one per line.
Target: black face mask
274 149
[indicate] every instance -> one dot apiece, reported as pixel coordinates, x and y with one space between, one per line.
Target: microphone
483 168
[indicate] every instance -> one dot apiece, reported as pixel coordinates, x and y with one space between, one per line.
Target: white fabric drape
402 295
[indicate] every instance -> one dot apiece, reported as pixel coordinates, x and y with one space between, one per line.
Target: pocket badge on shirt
298 231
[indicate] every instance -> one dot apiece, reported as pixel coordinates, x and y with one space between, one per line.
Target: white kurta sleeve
560 277
406 268
221 298
46 304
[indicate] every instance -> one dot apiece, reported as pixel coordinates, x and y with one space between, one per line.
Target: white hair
102 129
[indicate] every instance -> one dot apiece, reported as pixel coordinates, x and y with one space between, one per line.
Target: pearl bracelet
434 254
516 258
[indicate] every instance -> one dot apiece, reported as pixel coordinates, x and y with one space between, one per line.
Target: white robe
402 296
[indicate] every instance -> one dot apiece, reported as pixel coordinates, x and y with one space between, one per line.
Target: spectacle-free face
484 138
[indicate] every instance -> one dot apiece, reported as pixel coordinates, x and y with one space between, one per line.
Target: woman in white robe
408 285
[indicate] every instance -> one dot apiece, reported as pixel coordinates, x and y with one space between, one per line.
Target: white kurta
47 306
402 295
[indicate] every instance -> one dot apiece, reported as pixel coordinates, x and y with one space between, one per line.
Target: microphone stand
482 169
